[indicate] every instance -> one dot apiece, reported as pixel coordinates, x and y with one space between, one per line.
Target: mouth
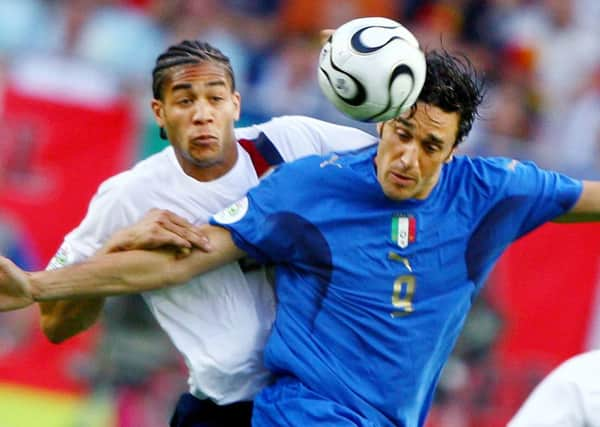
401 179
204 140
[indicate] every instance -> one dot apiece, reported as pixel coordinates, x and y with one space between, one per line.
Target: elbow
60 321
55 338
53 331
59 332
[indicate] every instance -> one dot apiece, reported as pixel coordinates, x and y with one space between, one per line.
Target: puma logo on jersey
331 161
512 165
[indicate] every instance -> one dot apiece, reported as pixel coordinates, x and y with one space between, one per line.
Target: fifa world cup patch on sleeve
233 213
62 257
404 229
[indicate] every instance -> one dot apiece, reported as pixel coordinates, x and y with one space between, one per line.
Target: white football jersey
568 397
218 321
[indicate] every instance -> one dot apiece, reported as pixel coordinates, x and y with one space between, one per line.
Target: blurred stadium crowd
541 59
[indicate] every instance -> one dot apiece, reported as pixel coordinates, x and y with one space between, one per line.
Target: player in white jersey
219 321
568 397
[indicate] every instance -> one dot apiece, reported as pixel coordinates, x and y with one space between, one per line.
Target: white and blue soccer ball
372 69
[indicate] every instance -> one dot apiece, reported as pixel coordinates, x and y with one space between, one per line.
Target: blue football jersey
372 293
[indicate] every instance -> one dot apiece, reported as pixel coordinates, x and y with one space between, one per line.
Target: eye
184 101
403 135
217 98
432 148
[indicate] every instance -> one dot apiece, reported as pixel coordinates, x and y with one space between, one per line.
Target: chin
206 162
399 195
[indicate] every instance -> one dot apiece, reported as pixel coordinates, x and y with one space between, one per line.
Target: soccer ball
372 69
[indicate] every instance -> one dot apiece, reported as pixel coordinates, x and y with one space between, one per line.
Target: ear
158 110
237 102
451 155
380 128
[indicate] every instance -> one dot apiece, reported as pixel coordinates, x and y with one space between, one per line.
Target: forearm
105 275
587 208
132 271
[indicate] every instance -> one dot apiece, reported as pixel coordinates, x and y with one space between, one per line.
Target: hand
15 290
325 34
159 229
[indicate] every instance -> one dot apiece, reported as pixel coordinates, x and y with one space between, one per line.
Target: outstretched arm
133 271
114 274
63 319
587 208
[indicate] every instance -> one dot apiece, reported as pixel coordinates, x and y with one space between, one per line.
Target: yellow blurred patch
31 407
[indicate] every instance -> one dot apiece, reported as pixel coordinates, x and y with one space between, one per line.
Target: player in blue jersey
379 254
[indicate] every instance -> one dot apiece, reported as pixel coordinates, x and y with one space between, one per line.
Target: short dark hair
453 84
184 53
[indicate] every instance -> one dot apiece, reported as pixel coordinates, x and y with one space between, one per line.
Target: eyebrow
430 137
187 86
434 140
181 86
405 122
216 83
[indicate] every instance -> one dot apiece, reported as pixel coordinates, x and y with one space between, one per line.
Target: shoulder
283 125
299 175
579 367
485 167
307 166
299 136
320 173
487 174
142 179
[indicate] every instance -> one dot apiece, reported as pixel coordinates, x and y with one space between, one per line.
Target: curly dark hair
453 84
184 53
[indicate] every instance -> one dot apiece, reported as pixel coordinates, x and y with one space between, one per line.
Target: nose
409 155
203 112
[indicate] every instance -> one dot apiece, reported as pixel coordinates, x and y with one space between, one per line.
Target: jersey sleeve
258 224
299 136
528 196
106 214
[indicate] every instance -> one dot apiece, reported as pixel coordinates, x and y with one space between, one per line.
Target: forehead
428 120
197 74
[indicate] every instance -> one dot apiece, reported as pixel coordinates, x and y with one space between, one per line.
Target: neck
207 170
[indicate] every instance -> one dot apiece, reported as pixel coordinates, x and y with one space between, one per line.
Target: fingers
181 253
175 230
159 228
202 241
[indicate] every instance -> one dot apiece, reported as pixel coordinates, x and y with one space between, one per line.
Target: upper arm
265 222
333 137
533 196
60 320
587 207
